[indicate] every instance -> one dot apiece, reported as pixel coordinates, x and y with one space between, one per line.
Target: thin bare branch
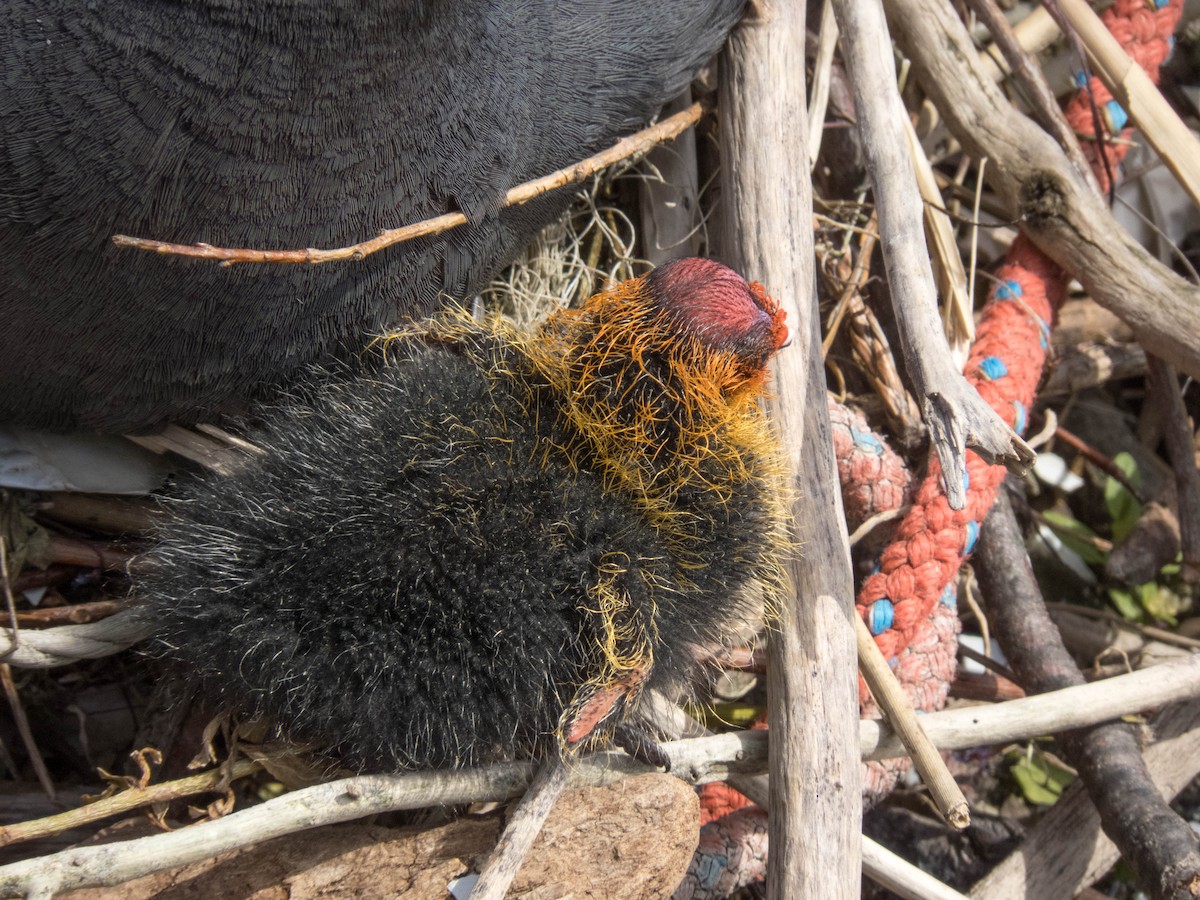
666 130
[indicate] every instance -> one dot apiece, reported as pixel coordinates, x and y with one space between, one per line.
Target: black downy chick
493 542
283 124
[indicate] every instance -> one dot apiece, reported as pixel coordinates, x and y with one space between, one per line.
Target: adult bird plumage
494 541
277 124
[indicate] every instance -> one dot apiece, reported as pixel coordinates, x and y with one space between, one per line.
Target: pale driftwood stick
1161 846
898 710
1049 713
1067 850
52 647
524 823
1131 86
951 729
665 130
697 761
901 877
815 814
955 413
1059 212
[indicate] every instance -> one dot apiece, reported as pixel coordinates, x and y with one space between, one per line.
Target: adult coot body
282 124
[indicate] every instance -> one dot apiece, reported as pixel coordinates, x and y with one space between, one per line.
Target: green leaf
1041 781
1074 534
1123 507
1125 603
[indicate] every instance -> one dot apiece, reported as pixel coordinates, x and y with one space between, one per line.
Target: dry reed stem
897 708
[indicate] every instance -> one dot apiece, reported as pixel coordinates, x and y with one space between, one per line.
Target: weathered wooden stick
524 823
1181 448
815 775
1156 841
957 416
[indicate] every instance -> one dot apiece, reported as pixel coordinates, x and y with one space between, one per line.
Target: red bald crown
720 308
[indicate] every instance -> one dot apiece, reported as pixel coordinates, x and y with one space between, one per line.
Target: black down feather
279 124
416 573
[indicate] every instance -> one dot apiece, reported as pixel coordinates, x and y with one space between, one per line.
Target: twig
1160 846
1181 447
665 130
898 710
814 824
1094 363
1117 621
1034 33
884 867
956 414
54 647
986 686
987 662
9 601
1100 461
887 515
1029 74
524 823
125 801
110 515
71 614
1061 213
958 323
22 723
